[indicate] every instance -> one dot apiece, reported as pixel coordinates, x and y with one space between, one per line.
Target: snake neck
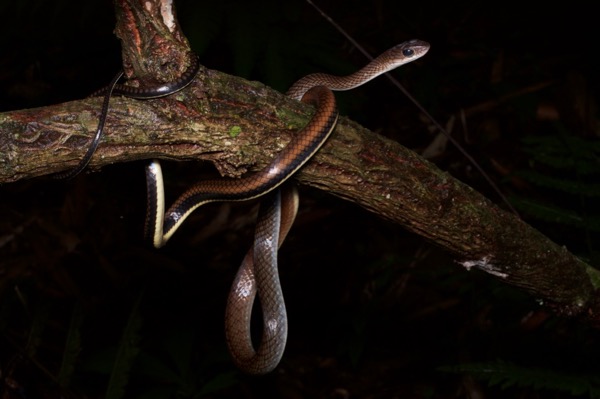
388 60
332 82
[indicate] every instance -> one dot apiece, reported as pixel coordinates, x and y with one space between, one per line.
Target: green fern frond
72 347
38 324
506 374
569 186
129 347
568 167
555 214
565 153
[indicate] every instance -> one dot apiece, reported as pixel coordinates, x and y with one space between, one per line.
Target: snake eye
408 52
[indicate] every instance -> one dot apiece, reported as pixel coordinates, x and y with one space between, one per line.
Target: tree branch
240 125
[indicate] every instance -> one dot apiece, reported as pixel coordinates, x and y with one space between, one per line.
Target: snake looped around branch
258 272
140 93
314 89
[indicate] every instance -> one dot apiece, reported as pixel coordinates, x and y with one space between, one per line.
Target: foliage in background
508 375
565 171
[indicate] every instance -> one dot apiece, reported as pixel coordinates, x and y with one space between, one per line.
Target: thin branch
240 125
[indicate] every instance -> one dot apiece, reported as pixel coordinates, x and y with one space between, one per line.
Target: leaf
506 374
568 185
72 347
565 153
38 324
555 214
218 383
126 353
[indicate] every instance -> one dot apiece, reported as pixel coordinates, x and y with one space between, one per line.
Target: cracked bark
240 125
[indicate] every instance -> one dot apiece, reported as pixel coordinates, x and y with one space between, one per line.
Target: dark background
374 312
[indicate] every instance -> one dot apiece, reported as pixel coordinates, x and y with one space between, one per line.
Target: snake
140 93
314 89
258 274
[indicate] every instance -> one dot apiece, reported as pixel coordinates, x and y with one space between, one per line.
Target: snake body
299 150
140 93
387 61
258 272
156 91
314 89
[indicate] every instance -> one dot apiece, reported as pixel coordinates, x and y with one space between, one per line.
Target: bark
240 125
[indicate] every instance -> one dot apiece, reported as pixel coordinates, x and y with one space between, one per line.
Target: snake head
406 52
